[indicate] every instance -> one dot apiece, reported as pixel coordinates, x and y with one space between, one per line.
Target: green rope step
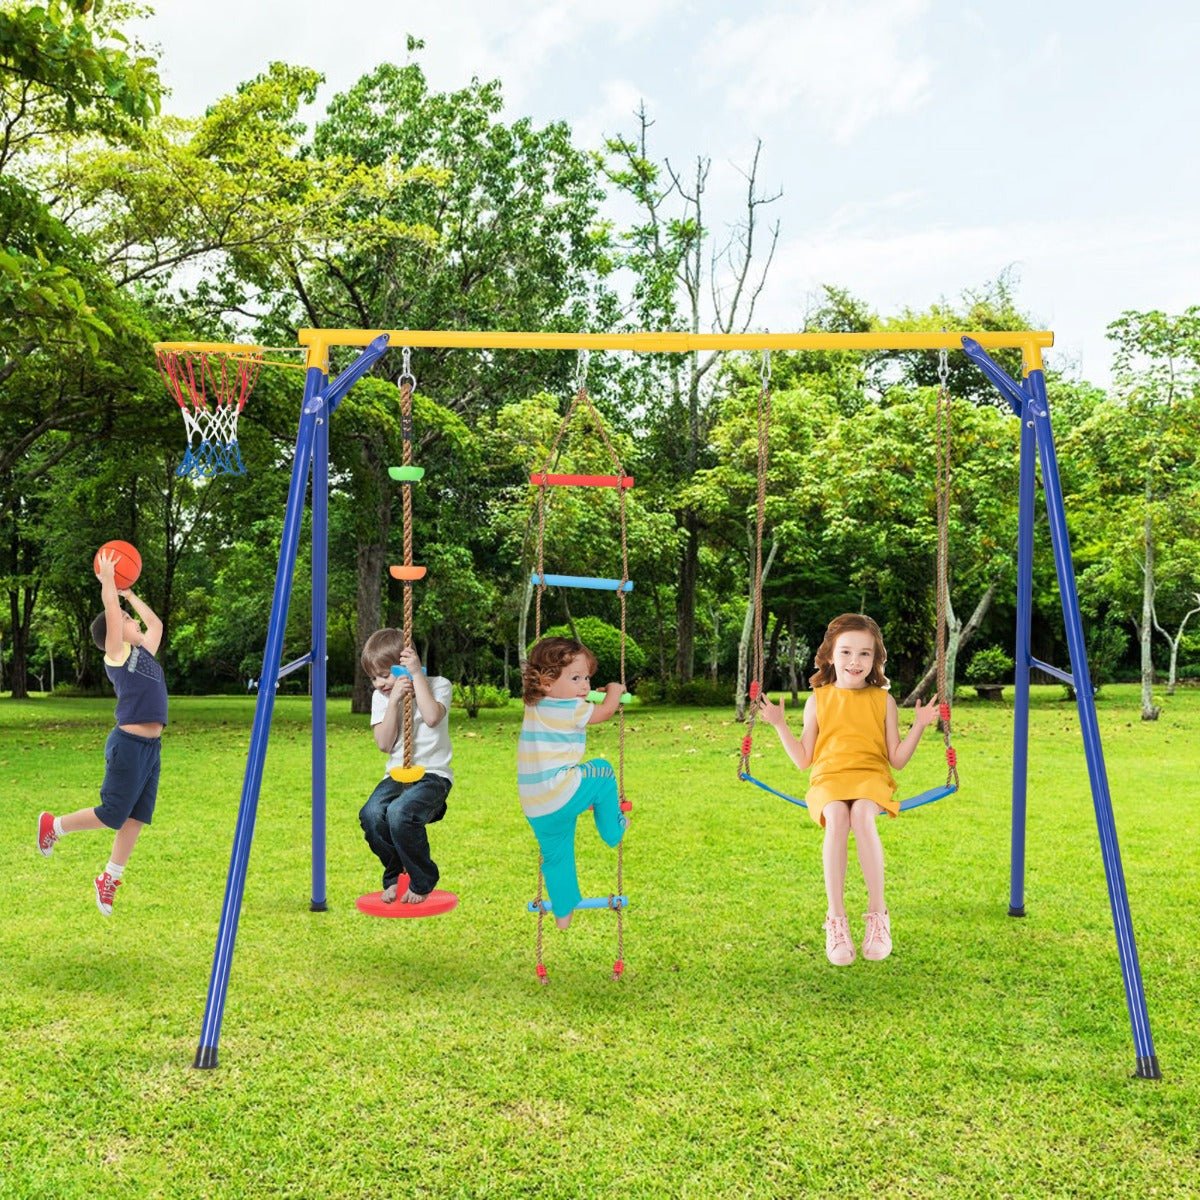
407 474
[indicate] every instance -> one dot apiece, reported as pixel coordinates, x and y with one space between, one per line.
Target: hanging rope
943 459
758 663
583 401
406 383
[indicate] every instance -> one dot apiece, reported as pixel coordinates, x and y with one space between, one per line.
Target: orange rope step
407 573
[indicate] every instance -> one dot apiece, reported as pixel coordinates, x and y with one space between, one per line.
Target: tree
1144 482
682 281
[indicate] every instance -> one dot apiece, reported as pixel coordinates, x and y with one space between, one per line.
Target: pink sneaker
839 949
877 941
106 888
46 835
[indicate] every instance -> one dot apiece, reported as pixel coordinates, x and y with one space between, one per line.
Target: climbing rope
758 657
406 383
943 460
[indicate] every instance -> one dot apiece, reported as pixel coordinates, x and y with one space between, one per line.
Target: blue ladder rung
583 581
587 902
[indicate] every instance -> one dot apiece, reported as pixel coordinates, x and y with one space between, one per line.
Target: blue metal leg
1027 494
235 884
1135 998
320 601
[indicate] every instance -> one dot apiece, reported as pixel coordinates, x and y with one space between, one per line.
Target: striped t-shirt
552 743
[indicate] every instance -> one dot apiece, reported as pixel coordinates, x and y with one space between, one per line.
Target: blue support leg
1135 997
1027 498
235 883
320 604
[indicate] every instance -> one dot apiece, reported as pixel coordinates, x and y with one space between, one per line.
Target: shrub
605 643
989 665
473 697
699 692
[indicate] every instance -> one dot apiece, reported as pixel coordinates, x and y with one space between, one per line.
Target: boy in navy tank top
131 754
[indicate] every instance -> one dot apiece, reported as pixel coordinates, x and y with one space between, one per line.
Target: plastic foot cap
1147 1067
1016 910
206 1058
318 906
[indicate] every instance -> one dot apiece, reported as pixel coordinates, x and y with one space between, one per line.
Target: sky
921 147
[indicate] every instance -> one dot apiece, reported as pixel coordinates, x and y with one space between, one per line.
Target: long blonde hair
849 623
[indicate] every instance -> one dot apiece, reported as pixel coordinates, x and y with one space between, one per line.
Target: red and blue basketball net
211 389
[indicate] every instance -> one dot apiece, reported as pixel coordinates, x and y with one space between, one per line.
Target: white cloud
1063 267
841 65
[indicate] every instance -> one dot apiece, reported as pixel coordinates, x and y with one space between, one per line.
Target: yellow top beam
318 342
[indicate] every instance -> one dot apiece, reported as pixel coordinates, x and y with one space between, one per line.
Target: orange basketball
129 563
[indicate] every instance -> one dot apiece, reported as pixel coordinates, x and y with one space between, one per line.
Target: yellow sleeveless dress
850 759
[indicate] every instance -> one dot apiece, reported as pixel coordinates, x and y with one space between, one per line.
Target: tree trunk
963 640
685 607
1146 630
793 677
747 634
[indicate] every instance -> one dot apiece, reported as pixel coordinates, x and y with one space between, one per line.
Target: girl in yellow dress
851 740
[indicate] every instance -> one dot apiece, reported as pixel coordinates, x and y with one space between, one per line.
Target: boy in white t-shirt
394 817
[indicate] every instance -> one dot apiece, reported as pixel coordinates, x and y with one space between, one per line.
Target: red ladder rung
625 481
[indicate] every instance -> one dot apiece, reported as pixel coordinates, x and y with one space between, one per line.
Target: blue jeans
393 821
555 831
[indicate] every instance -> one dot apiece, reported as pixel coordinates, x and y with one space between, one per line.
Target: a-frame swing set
1027 397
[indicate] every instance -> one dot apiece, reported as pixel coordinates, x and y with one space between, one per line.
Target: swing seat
927 797
408 574
613 902
436 903
407 474
582 581
407 774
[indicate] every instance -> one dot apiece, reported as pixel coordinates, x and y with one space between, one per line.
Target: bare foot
411 897
564 922
388 895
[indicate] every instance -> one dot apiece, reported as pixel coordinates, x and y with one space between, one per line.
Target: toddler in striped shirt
555 787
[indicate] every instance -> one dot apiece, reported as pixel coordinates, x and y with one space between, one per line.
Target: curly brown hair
547 660
849 623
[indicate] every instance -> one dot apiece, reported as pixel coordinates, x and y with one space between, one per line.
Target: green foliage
695 693
605 643
989 664
480 695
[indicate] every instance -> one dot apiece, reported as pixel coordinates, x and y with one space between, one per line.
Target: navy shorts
130 787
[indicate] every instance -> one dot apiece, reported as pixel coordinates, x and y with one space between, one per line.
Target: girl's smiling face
575 681
853 658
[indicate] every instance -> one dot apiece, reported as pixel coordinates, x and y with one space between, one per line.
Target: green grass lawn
390 1059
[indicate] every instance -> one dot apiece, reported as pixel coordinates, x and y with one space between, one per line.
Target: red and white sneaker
106 888
46 835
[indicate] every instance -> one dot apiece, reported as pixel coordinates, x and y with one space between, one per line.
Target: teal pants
555 832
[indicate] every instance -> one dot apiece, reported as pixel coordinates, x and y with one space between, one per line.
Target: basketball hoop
211 388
